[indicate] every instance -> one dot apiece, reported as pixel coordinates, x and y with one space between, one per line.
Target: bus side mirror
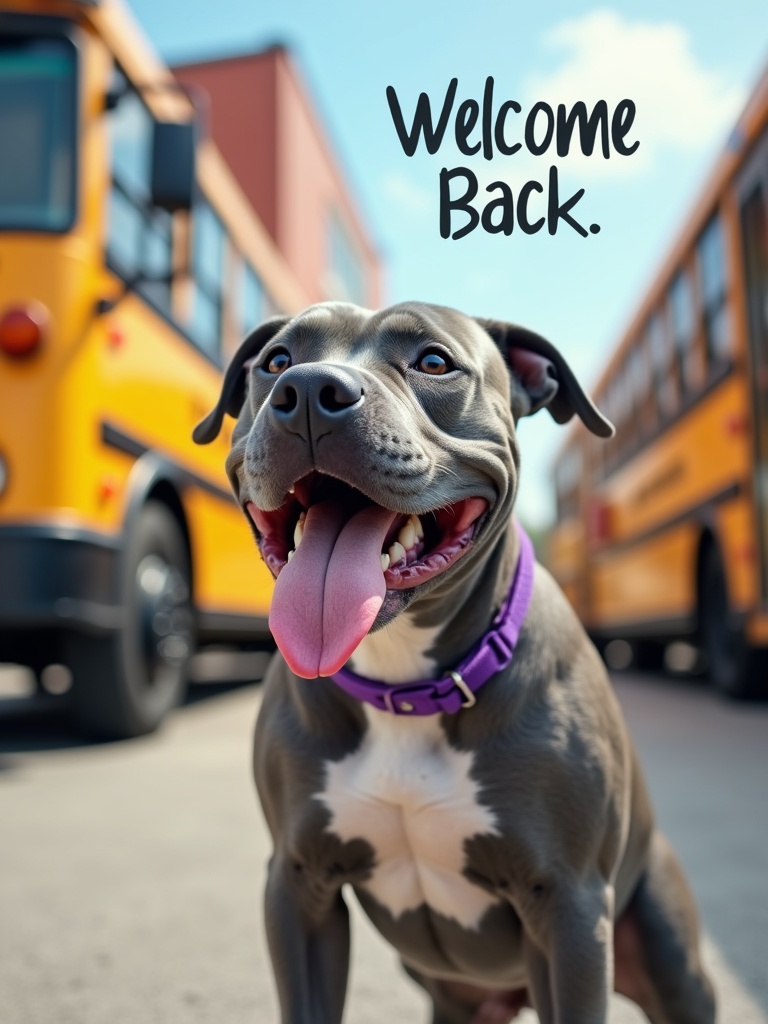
173 164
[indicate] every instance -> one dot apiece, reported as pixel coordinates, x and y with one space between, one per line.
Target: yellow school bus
130 266
662 532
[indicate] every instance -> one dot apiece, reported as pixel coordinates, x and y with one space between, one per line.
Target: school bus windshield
37 133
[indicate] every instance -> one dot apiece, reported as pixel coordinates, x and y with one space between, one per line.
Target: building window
714 292
346 279
251 300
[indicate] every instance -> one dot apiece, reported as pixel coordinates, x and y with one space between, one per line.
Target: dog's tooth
419 529
302 516
396 553
384 562
291 553
291 489
298 533
407 536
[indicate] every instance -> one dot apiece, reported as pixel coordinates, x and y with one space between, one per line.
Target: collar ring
471 699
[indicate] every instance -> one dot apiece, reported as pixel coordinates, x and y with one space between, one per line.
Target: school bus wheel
734 668
127 682
648 655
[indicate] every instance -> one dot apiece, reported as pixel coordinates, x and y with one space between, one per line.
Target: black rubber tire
735 670
648 655
127 682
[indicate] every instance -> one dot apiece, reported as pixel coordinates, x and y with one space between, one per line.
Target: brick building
263 120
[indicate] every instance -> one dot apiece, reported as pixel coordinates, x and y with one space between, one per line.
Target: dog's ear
544 377
232 394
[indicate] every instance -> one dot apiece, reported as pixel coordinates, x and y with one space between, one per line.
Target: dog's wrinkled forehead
338 332
496 359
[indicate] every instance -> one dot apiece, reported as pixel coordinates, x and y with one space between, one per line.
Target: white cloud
407 194
680 104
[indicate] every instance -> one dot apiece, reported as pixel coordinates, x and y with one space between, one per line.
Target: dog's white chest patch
412 797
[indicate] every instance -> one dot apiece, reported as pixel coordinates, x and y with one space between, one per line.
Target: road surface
131 873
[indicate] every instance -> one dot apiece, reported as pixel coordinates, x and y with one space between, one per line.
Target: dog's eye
434 363
277 362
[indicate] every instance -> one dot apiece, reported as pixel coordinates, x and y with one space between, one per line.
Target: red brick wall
264 122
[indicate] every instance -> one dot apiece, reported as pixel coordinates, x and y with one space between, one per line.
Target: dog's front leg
307 927
569 955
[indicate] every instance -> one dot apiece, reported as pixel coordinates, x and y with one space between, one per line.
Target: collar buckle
404 700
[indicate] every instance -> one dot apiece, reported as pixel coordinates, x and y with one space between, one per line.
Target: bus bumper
53 579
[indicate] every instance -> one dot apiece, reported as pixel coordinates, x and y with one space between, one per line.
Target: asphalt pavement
131 873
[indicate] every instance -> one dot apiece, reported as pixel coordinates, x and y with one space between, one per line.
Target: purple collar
456 689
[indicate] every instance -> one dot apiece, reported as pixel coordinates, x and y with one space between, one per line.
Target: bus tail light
23 330
736 423
599 522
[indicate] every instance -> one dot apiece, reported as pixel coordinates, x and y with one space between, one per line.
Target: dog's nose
312 399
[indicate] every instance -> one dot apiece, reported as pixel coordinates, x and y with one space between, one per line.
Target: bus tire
734 668
127 682
648 655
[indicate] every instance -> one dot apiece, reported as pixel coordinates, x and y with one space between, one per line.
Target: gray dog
437 731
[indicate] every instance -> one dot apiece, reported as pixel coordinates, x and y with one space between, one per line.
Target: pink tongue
327 597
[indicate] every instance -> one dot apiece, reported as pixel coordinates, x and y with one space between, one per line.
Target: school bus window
643 390
139 238
630 401
38 120
682 323
597 461
663 368
125 227
613 415
615 404
714 292
158 258
209 238
608 406
568 474
637 373
623 395
650 411
627 410
130 134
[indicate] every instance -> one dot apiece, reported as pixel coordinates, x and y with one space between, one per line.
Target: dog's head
373 451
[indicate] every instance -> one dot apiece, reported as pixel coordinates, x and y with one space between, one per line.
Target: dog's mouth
335 553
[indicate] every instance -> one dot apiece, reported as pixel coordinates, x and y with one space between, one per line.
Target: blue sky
687 65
